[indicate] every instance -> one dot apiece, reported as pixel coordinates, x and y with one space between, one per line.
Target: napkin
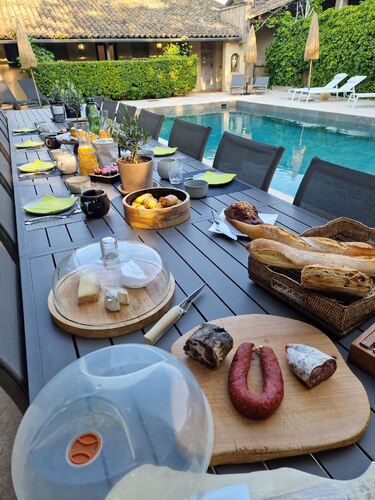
50 204
160 151
224 227
26 130
29 144
37 166
215 178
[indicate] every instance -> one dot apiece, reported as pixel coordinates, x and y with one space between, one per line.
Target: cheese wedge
88 289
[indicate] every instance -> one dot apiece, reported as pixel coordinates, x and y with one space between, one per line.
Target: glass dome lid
111 283
107 416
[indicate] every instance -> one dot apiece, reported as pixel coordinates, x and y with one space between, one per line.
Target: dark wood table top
194 255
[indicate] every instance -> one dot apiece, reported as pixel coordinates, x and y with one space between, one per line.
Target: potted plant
73 99
57 103
135 170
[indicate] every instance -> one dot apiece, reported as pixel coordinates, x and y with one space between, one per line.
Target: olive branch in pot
130 137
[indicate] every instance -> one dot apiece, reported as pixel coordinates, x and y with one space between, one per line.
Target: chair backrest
29 88
3 119
151 122
8 235
13 376
330 190
111 107
4 143
124 110
6 96
253 162
351 83
261 81
238 81
6 179
99 100
336 80
189 138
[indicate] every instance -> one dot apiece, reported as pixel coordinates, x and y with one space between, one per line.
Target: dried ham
309 364
209 345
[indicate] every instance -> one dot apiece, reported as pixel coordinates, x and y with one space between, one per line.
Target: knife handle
164 323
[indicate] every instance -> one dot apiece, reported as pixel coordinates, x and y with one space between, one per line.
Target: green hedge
130 79
347 45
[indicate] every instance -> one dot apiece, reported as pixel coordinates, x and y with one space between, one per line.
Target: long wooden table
194 256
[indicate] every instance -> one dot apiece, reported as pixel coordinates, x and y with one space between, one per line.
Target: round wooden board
141 300
333 414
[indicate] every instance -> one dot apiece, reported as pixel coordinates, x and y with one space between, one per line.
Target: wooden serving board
94 320
333 414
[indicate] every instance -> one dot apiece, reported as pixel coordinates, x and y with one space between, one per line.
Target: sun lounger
349 86
261 84
354 96
331 86
7 97
238 83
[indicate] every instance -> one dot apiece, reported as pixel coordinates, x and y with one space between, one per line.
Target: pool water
302 141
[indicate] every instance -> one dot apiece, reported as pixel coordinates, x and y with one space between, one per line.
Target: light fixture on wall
159 45
81 46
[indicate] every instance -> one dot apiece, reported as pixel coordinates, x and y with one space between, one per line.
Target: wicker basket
336 314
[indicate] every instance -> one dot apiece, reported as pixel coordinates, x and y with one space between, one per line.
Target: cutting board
333 414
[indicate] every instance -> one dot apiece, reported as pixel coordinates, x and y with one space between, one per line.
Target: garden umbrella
312 44
27 57
251 51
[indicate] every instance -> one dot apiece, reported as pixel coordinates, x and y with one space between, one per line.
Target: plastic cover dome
106 415
82 281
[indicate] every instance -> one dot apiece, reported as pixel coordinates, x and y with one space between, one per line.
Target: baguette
273 253
312 244
336 280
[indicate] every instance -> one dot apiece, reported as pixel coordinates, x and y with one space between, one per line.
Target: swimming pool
302 141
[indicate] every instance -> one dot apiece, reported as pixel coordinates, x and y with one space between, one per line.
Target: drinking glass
175 172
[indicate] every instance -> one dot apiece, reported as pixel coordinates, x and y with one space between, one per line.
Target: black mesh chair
13 376
6 179
98 100
8 235
111 107
331 191
3 120
4 143
189 138
253 162
124 110
151 122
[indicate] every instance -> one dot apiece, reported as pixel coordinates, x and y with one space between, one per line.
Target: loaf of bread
277 254
336 280
311 244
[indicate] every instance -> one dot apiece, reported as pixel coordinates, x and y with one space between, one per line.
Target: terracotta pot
135 176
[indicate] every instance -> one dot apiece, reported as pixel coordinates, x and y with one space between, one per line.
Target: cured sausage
256 406
309 364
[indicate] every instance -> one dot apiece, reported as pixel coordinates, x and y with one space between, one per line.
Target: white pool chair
349 86
332 85
354 96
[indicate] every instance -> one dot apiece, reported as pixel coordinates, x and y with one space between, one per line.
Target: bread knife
170 318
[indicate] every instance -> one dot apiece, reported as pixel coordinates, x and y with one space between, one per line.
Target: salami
309 364
256 406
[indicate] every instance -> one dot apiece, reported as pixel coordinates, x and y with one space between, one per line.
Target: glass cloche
111 283
113 416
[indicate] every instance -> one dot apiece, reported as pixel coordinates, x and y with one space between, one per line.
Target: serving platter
333 414
93 320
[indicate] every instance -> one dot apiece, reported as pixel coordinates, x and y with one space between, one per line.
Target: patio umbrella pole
310 70
36 87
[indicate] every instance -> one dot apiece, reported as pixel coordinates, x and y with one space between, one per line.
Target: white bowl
76 182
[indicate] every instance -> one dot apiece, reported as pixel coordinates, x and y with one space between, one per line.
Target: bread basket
335 314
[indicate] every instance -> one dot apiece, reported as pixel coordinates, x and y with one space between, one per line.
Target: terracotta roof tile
114 19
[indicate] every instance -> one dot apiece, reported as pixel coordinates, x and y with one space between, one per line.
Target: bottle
87 159
93 115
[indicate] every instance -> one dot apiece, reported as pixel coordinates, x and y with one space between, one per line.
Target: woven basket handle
348 228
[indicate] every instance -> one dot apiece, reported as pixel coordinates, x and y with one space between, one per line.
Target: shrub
132 79
347 45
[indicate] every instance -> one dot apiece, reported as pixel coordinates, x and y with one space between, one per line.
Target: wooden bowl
157 218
